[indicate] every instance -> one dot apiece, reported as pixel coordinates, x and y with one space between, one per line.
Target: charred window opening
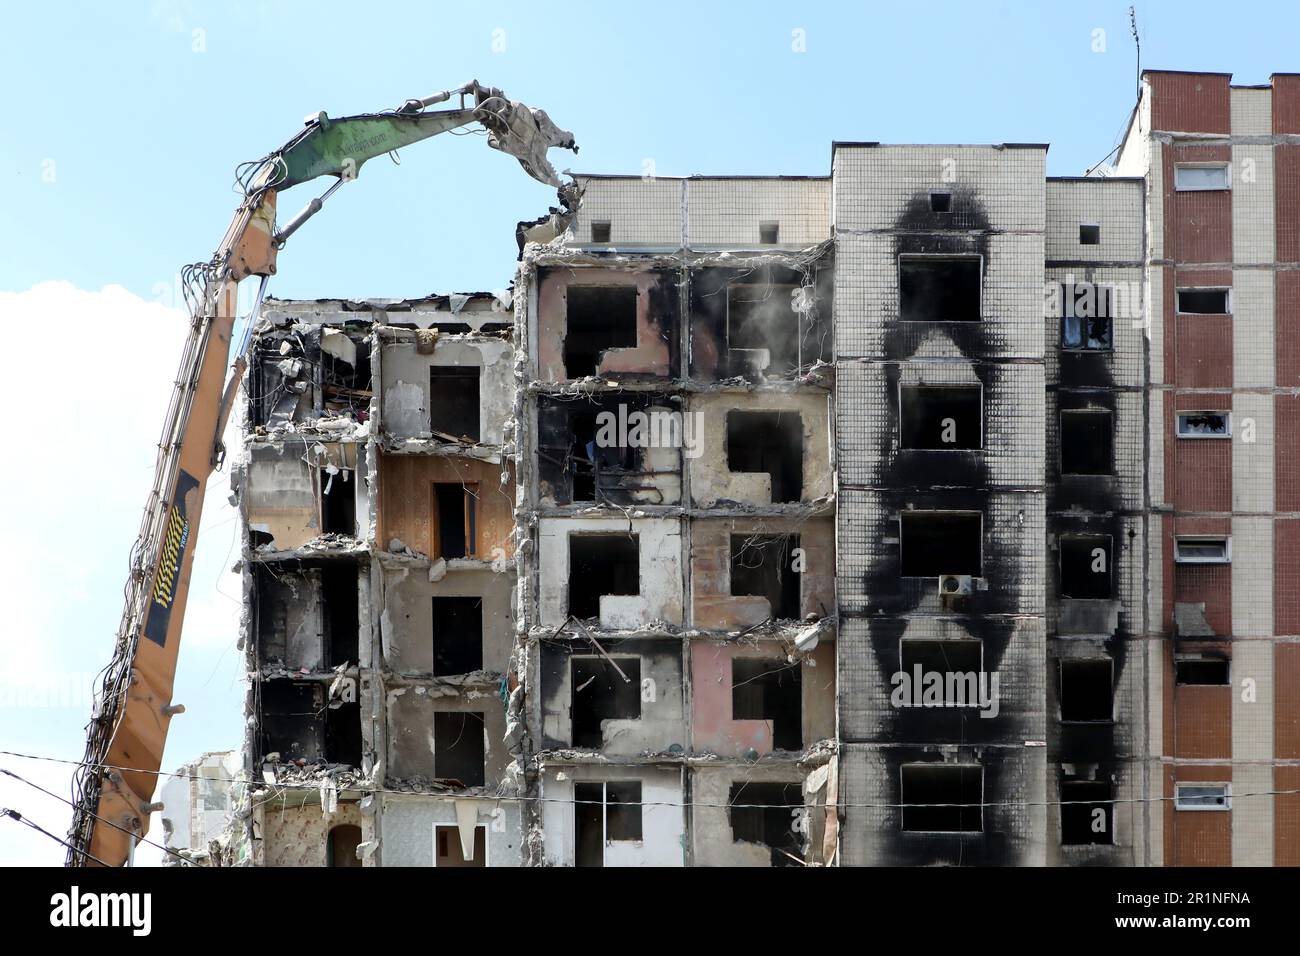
1204 425
770 442
601 693
1203 301
1087 437
450 852
943 798
762 565
939 289
605 813
458 748
449 328
940 202
340 607
345 373
588 458
1089 235
935 543
453 401
945 657
343 734
597 318
1087 310
1087 692
454 531
341 848
769 814
601 230
601 564
338 502
506 329
1087 812
770 690
763 327
768 233
942 417
457 635
1086 566
292 720
1201 671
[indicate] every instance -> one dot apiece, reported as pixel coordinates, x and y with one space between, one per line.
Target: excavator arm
113 787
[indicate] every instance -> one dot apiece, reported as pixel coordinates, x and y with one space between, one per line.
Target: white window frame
1227 175
1227 548
1200 807
1226 289
1178 422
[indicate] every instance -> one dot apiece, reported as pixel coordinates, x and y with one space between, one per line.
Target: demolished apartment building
655 563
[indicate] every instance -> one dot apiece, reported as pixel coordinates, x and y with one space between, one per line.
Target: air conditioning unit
951 584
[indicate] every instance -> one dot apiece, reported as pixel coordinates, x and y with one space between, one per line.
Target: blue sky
125 122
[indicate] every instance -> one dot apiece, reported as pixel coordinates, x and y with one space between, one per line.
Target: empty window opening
940 202
1201 671
950 658
338 502
600 230
1202 796
1089 235
343 733
293 720
601 564
771 815
448 850
457 635
454 530
605 813
768 233
940 542
770 690
1085 566
1087 812
926 786
341 610
939 289
453 400
1086 313
458 747
762 323
770 442
602 689
1087 437
597 318
1203 301
942 417
1204 425
341 848
1212 549
1086 692
345 373
1201 178
762 565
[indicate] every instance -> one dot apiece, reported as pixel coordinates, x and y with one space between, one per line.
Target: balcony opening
959 786
605 813
458 747
942 417
762 565
338 502
341 847
597 318
601 564
292 720
769 690
763 326
454 401
769 814
1086 566
1087 812
1086 692
340 608
454 531
940 542
1087 436
1201 671
603 689
1203 301
457 635
771 443
939 289
343 733
450 852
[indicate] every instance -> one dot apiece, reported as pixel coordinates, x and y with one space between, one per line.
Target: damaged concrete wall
281 493
662 818
412 754
299 836
413 824
408 506
714 840
408 624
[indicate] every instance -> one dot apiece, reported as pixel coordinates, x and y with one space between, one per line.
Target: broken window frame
906 257
1061 443
1186 180
1227 298
1192 540
1202 796
1182 421
902 790
977 388
1061 666
1077 329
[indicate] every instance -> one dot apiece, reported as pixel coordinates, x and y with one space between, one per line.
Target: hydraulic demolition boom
114 786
